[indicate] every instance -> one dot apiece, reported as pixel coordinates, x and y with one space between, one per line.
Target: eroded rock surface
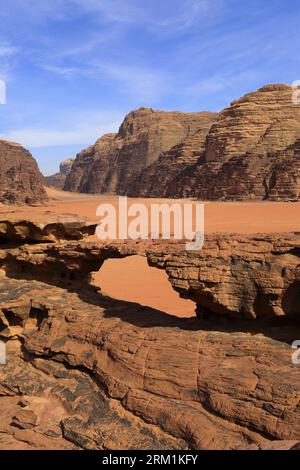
19 226
114 163
94 372
85 371
155 180
20 179
251 152
240 276
59 179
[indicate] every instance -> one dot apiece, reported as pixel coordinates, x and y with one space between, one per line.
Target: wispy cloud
173 14
7 55
35 11
170 15
83 129
145 84
7 50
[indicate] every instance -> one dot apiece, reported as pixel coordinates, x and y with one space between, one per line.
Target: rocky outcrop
22 227
85 371
283 182
154 181
101 374
20 179
91 166
251 152
251 277
115 162
59 179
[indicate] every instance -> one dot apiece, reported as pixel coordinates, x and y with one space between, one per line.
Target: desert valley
142 344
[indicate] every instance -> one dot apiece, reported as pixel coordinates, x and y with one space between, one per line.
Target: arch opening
131 279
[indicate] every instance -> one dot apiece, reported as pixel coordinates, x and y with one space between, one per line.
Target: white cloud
7 50
145 84
65 71
83 130
136 81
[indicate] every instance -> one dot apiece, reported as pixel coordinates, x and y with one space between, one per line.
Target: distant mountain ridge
249 151
116 161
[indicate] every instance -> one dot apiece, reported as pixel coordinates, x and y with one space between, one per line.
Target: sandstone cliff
91 166
115 162
155 179
20 179
251 152
59 179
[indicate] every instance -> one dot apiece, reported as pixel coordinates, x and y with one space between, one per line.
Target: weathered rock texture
250 277
155 180
88 372
116 160
20 227
251 152
59 179
93 372
91 166
20 179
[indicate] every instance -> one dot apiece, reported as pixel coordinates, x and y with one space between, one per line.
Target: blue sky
74 68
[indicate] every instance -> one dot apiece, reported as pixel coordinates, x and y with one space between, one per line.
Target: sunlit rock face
251 152
20 179
115 162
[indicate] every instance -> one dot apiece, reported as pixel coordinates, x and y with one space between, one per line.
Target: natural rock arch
132 279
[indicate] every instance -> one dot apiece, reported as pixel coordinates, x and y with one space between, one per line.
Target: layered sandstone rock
116 161
23 227
250 277
252 151
59 179
84 371
20 179
91 166
154 181
95 373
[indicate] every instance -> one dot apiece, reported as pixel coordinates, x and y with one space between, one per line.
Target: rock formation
20 179
22 227
156 178
91 166
58 180
251 152
88 372
116 160
240 276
